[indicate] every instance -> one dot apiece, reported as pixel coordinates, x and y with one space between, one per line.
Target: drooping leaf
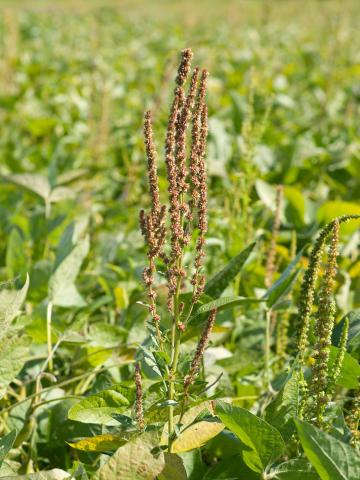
222 279
13 354
134 461
6 444
100 407
10 303
62 289
263 440
332 459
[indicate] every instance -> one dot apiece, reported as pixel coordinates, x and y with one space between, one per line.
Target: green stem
49 331
267 348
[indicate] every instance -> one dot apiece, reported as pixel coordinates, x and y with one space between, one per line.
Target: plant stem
48 330
267 347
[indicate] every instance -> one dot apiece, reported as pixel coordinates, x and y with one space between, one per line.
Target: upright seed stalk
187 212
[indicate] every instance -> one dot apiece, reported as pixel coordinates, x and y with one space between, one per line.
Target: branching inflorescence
168 232
322 382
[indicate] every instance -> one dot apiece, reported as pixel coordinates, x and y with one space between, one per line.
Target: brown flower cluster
187 189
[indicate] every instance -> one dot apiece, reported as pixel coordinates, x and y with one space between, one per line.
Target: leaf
264 441
62 290
283 284
55 474
15 254
222 279
350 371
100 407
232 468
174 468
133 461
194 435
297 469
280 412
295 206
32 181
6 444
99 443
13 354
354 329
332 459
224 303
10 304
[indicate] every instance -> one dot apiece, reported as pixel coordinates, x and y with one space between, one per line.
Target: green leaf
221 280
13 355
283 284
62 290
10 304
354 330
297 469
134 461
294 206
350 371
232 468
6 444
15 254
332 459
280 412
32 181
100 407
174 468
55 474
263 440
225 303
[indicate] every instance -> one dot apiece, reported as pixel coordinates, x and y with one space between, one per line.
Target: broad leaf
62 290
221 280
13 354
134 461
15 254
332 459
100 407
354 330
225 303
280 411
263 440
350 371
174 468
55 474
32 181
6 444
99 443
10 304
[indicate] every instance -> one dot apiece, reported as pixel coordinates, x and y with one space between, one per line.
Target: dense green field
282 160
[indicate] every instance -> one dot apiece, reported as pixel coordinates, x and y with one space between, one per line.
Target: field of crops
180 291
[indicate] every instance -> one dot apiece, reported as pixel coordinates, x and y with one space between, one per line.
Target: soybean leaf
134 461
332 459
15 254
284 408
264 441
99 443
335 208
232 468
283 284
174 468
10 303
13 354
32 181
62 290
350 371
222 279
6 444
55 474
297 469
100 407
354 330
